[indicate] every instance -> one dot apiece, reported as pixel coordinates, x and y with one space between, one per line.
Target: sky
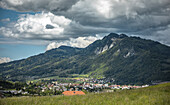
30 27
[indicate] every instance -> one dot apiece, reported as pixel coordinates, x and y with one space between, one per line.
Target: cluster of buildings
89 87
86 85
10 93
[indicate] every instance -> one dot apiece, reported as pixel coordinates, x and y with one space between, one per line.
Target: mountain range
129 60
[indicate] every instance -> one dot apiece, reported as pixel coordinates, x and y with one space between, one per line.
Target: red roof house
68 93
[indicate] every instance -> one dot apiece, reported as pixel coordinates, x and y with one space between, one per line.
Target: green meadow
153 95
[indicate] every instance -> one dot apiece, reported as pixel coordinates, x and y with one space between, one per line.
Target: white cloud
5 20
4 60
34 26
80 42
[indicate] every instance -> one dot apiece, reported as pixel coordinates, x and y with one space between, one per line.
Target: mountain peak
114 35
64 47
106 43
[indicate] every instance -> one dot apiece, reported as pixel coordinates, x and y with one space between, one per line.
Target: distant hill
129 60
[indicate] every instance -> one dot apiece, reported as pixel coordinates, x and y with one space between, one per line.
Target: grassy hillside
153 95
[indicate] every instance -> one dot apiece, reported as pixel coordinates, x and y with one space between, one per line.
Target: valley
158 94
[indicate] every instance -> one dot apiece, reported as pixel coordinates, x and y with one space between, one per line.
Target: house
68 93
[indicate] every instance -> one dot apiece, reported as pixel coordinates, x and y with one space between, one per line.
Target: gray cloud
126 16
148 19
37 5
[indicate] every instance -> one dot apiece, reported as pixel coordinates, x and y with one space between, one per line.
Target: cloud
136 17
37 5
7 40
80 42
47 26
124 15
82 18
5 20
162 35
4 60
39 26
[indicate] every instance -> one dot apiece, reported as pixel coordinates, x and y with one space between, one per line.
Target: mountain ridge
129 60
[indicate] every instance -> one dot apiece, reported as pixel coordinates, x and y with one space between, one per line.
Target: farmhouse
68 93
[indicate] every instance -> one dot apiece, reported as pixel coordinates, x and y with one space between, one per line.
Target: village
79 87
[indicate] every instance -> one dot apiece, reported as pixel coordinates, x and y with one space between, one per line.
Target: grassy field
153 95
75 76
